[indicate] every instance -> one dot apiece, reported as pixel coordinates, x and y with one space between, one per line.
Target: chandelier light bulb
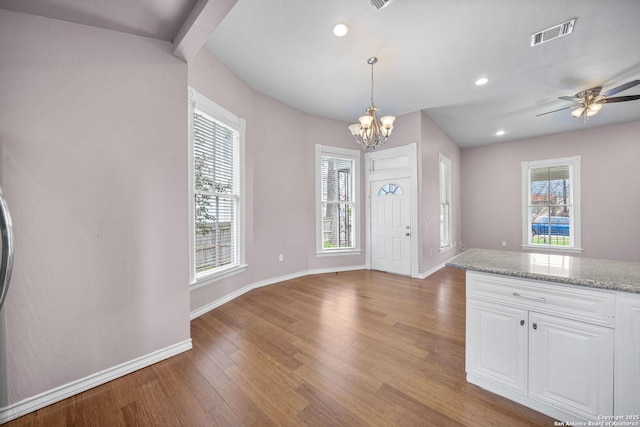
365 121
387 121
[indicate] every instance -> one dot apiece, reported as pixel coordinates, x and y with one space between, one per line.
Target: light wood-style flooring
360 348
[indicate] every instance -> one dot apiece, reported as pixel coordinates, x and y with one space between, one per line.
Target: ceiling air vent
379 4
551 33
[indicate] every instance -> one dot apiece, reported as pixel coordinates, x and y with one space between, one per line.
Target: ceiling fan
590 101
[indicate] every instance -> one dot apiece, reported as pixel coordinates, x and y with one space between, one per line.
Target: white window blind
337 177
445 201
337 203
216 190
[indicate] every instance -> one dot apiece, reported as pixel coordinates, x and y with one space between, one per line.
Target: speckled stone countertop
594 273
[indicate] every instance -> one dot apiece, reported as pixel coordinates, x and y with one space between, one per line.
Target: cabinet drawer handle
543 299
522 323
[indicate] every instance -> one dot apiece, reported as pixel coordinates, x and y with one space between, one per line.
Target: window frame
197 101
574 178
323 151
442 162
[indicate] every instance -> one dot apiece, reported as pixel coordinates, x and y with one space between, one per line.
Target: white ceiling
159 19
430 53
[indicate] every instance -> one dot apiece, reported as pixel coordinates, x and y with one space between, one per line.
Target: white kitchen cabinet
571 365
497 344
547 346
627 360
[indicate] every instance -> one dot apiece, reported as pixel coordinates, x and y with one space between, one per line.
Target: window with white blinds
551 204
337 179
445 201
215 139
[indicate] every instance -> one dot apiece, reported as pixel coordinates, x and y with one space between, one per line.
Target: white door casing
393 166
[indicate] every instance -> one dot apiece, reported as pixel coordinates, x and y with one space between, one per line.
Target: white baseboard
233 295
430 271
436 268
60 393
217 303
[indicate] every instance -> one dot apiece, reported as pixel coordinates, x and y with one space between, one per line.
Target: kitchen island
595 273
559 334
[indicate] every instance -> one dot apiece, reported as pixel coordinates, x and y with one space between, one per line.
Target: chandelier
371 132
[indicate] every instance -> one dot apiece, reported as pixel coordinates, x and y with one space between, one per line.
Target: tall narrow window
445 202
216 204
337 178
551 209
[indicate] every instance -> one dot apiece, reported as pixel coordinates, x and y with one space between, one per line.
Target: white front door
391 225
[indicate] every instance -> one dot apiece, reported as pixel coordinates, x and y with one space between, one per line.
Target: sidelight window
445 202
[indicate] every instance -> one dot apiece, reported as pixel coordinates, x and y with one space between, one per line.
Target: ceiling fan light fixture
590 101
587 110
593 109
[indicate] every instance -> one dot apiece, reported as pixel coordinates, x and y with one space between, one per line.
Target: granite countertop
594 273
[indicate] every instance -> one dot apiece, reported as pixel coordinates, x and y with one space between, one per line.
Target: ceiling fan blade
560 109
570 98
621 88
620 99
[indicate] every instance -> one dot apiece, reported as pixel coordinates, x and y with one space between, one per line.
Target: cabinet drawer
586 304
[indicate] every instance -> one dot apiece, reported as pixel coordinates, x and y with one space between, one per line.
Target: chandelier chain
372 83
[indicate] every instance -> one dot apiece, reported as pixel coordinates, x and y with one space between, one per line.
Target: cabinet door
571 365
627 355
496 344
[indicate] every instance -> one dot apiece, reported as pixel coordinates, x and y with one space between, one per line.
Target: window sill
219 275
446 249
552 249
339 252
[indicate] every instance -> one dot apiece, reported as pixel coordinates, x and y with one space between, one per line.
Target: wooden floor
347 349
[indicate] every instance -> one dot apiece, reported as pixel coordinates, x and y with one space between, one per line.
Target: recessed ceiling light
500 132
340 29
482 81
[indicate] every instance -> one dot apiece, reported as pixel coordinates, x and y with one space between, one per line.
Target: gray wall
610 189
280 174
93 165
